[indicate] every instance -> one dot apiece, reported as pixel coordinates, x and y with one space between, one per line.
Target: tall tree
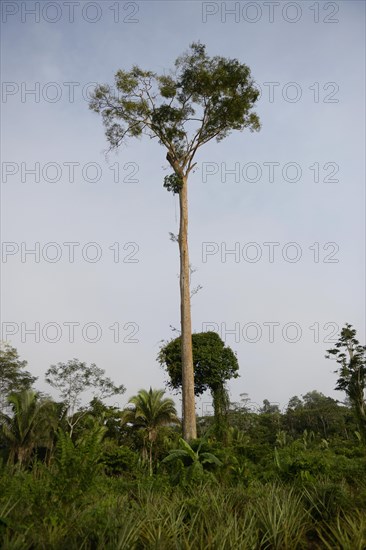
214 364
351 356
13 376
74 378
202 99
150 411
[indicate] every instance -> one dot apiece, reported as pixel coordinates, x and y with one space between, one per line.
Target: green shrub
118 460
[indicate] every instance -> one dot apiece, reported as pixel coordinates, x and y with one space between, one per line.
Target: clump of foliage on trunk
214 364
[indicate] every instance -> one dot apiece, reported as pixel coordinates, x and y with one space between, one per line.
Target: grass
150 514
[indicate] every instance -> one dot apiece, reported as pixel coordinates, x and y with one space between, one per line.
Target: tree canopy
74 378
150 411
214 363
13 376
201 99
351 356
31 424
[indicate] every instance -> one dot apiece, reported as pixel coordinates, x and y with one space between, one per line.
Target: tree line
97 476
31 422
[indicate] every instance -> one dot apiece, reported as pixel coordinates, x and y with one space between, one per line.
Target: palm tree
150 412
29 426
194 460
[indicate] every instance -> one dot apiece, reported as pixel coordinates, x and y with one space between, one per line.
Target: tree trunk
220 401
150 460
21 455
360 413
188 405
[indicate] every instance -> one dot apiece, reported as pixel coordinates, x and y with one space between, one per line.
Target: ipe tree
203 98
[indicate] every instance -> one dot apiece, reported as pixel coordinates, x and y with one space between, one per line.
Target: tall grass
116 514
346 533
282 518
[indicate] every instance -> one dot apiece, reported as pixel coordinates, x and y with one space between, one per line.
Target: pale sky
298 184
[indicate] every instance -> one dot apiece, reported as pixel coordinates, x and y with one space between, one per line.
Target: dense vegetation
100 477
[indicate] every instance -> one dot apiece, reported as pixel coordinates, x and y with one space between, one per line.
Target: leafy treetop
202 99
13 376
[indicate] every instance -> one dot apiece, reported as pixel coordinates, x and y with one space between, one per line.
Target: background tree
214 364
269 408
150 412
108 416
74 378
351 356
31 425
78 462
240 414
13 377
315 412
202 99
